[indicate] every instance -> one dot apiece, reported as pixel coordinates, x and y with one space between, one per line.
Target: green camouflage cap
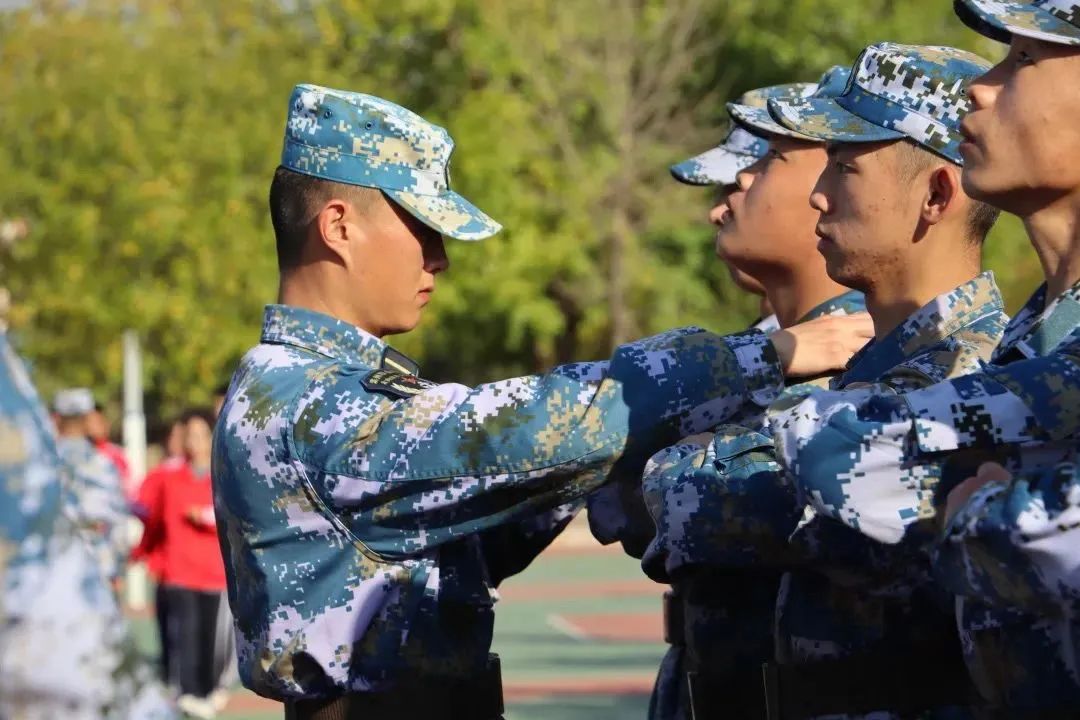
359 139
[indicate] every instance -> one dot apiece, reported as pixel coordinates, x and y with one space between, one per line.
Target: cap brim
758 120
824 119
449 213
718 166
1000 20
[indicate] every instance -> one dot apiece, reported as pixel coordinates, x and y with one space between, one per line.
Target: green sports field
579 634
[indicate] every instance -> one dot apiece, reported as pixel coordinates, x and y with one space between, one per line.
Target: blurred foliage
140 137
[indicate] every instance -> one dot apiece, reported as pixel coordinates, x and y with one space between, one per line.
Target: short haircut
914 159
295 200
198 413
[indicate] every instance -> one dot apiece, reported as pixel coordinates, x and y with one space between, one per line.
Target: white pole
135 450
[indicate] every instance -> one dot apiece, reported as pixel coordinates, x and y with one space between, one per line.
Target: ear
943 191
334 229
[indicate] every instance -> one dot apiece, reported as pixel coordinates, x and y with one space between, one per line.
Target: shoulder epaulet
395 384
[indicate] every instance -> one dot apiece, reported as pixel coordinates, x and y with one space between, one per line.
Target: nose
983 90
745 178
435 257
818 199
719 208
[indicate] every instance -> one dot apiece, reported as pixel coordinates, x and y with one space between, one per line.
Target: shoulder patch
395 384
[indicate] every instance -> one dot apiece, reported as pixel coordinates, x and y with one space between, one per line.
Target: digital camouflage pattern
64 646
756 118
1010 552
721 514
359 139
1054 21
848 595
740 149
895 91
352 500
94 500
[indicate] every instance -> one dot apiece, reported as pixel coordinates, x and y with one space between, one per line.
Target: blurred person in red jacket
151 548
98 428
198 634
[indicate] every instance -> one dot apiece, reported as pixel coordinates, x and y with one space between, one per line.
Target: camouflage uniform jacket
64 646
847 594
1009 552
352 499
95 501
709 529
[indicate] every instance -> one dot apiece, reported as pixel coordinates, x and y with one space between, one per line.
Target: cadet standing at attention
1008 548
719 621
351 494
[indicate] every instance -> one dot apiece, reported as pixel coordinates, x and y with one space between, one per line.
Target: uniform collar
943 316
336 339
1039 328
847 304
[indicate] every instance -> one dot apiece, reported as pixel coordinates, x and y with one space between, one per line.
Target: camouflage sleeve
617 511
452 461
852 452
508 549
718 499
1016 544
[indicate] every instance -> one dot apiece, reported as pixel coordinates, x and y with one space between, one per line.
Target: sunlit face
717 215
768 223
97 426
1023 132
868 214
175 442
393 264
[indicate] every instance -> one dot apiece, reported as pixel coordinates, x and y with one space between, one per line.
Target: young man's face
395 261
1023 132
868 213
768 223
717 216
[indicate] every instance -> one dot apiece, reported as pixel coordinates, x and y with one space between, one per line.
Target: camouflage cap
359 139
758 120
895 91
73 402
1053 21
740 148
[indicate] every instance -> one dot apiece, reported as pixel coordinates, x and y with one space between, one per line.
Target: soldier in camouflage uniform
95 497
353 497
64 646
885 465
722 502
715 620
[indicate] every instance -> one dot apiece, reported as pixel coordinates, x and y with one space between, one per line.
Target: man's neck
905 290
304 289
1055 234
796 293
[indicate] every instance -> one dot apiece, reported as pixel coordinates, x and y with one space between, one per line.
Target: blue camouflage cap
359 139
1053 21
895 91
741 148
758 120
73 402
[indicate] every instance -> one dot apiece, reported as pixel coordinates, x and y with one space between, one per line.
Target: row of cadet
865 516
881 533
170 513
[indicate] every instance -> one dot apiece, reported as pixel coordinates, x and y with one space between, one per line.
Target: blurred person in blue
65 649
94 498
354 498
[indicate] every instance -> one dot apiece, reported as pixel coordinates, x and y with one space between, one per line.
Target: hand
959 495
821 345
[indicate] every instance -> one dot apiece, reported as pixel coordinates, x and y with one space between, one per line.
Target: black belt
477 698
905 683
